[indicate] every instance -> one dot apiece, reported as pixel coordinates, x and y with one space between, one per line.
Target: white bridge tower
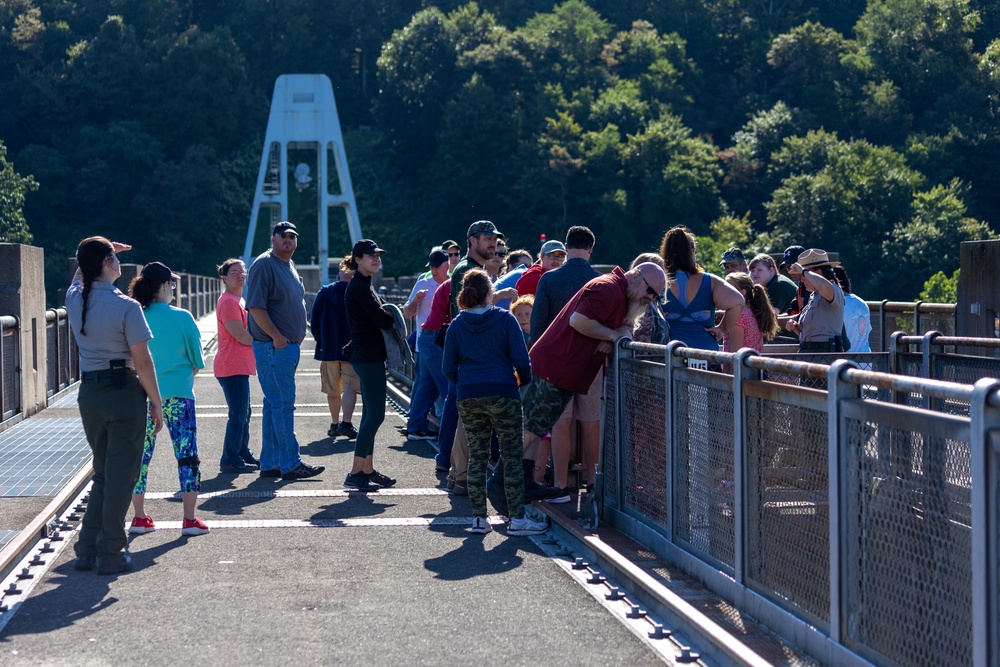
303 118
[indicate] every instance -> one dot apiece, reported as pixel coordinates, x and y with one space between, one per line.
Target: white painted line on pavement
298 493
415 521
257 415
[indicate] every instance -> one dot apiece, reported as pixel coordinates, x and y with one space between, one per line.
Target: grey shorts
543 403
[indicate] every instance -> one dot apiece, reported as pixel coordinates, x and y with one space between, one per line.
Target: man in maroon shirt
567 357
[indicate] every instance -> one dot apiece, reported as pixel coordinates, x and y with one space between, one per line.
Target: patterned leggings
178 416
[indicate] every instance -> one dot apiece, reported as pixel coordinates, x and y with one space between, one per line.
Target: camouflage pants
481 416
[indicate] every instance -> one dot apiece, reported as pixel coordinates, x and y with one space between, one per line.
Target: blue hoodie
481 352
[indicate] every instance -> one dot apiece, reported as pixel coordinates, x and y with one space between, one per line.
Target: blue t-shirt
508 279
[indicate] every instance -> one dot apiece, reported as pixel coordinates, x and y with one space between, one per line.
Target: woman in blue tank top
693 295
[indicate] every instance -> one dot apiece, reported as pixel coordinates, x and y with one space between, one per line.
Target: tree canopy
865 127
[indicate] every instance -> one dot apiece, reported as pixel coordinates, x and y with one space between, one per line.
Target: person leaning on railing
821 321
117 378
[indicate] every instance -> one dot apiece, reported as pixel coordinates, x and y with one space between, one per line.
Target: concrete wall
22 294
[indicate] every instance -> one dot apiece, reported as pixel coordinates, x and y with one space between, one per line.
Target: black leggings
373 382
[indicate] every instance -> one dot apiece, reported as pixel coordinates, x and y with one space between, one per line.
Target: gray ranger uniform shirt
114 324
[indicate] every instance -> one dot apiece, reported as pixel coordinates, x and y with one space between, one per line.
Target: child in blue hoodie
482 350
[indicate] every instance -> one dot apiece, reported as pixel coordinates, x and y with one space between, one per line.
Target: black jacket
367 320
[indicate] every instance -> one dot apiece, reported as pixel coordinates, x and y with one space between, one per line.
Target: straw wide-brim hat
815 258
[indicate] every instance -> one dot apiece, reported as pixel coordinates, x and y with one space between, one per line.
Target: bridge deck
305 571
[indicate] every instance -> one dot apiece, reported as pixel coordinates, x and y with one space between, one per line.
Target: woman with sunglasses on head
234 364
692 296
117 379
176 351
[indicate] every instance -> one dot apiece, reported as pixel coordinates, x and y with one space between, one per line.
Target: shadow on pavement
356 504
326 446
74 595
473 559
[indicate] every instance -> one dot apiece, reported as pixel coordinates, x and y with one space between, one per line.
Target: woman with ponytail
176 351
486 359
117 379
757 322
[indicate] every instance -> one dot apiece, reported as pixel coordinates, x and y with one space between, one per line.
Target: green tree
416 74
815 72
838 196
939 288
673 178
929 240
13 188
924 47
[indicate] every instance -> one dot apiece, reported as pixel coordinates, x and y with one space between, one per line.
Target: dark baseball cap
484 228
366 247
791 255
437 258
158 273
284 228
732 255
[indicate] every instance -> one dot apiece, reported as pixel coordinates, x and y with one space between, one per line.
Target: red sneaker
194 526
140 526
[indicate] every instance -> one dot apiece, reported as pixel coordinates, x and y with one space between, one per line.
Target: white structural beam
303 113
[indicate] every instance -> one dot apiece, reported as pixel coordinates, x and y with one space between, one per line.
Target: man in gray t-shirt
277 323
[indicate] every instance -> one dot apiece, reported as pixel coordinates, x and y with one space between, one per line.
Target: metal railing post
740 520
670 401
984 427
837 391
883 324
916 318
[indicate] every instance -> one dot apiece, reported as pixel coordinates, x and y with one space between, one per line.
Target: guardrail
814 500
63 357
10 367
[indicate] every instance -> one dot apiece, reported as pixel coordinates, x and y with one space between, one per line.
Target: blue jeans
432 382
279 447
449 422
236 446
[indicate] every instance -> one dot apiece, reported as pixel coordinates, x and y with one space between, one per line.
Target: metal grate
909 578
644 469
787 505
38 456
6 536
610 444
704 451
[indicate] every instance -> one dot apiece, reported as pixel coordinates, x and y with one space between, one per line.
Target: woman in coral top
234 364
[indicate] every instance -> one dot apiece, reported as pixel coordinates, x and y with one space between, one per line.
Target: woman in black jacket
367 355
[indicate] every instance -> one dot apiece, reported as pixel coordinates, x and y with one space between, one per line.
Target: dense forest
866 128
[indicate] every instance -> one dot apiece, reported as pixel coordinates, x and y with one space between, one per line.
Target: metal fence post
984 426
670 401
883 324
740 372
619 395
916 318
837 391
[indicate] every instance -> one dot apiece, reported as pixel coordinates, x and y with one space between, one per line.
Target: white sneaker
526 526
481 525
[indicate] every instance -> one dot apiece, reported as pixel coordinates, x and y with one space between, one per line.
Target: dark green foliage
870 128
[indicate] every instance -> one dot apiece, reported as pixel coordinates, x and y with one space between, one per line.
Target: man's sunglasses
649 289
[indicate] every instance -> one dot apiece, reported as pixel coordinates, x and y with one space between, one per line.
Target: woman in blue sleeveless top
693 295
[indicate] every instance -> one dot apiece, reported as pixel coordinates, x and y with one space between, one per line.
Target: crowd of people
510 349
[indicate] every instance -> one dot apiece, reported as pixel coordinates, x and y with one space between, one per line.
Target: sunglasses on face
501 253
454 254
649 290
